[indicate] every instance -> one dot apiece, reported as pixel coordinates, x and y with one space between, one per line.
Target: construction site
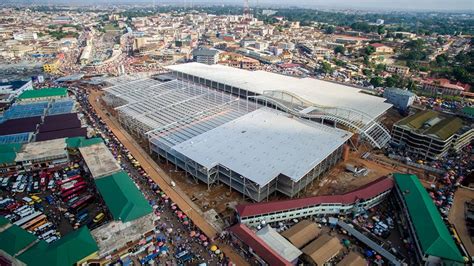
204 133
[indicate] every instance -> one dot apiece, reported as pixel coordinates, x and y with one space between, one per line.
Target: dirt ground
391 117
336 181
177 194
456 217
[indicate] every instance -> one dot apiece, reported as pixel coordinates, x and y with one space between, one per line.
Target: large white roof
40 150
264 143
278 243
316 91
99 160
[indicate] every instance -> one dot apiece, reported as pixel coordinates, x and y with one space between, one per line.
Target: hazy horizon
380 5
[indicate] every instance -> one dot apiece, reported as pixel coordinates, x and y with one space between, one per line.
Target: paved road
162 179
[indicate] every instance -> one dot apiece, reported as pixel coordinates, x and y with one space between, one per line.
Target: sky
388 5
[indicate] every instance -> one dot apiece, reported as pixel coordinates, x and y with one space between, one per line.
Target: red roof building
381 48
259 247
444 86
363 193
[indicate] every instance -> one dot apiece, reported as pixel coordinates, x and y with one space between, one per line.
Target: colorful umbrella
192 234
203 237
185 222
213 248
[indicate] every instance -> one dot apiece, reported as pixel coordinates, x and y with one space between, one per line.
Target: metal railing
362 123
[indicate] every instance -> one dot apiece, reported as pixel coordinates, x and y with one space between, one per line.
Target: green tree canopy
339 50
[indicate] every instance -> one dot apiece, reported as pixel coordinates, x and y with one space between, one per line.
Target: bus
48 234
73 186
33 223
43 227
33 228
27 218
81 203
71 193
65 181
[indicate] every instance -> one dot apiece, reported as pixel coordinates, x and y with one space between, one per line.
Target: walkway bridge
359 122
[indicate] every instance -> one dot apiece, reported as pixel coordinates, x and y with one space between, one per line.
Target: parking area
52 202
377 224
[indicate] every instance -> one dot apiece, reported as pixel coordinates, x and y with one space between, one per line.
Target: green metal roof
416 121
124 200
79 142
3 221
445 128
431 231
468 111
68 250
8 152
40 93
15 239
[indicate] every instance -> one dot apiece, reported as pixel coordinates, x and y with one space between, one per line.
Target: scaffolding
375 133
170 113
364 124
161 109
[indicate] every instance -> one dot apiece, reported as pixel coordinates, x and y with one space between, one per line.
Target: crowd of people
457 167
175 232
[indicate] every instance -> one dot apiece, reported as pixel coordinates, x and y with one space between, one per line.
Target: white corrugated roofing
264 143
278 243
316 91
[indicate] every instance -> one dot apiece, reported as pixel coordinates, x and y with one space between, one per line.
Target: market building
430 238
322 249
10 90
39 95
353 202
401 99
430 135
19 247
186 124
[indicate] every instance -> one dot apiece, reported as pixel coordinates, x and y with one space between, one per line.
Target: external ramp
364 239
359 122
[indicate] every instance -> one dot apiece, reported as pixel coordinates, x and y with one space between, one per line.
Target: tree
391 81
411 85
442 60
440 40
326 68
339 49
417 44
367 71
381 29
368 50
377 81
364 26
380 67
329 30
395 81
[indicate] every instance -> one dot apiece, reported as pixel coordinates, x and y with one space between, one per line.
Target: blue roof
400 91
15 85
15 138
